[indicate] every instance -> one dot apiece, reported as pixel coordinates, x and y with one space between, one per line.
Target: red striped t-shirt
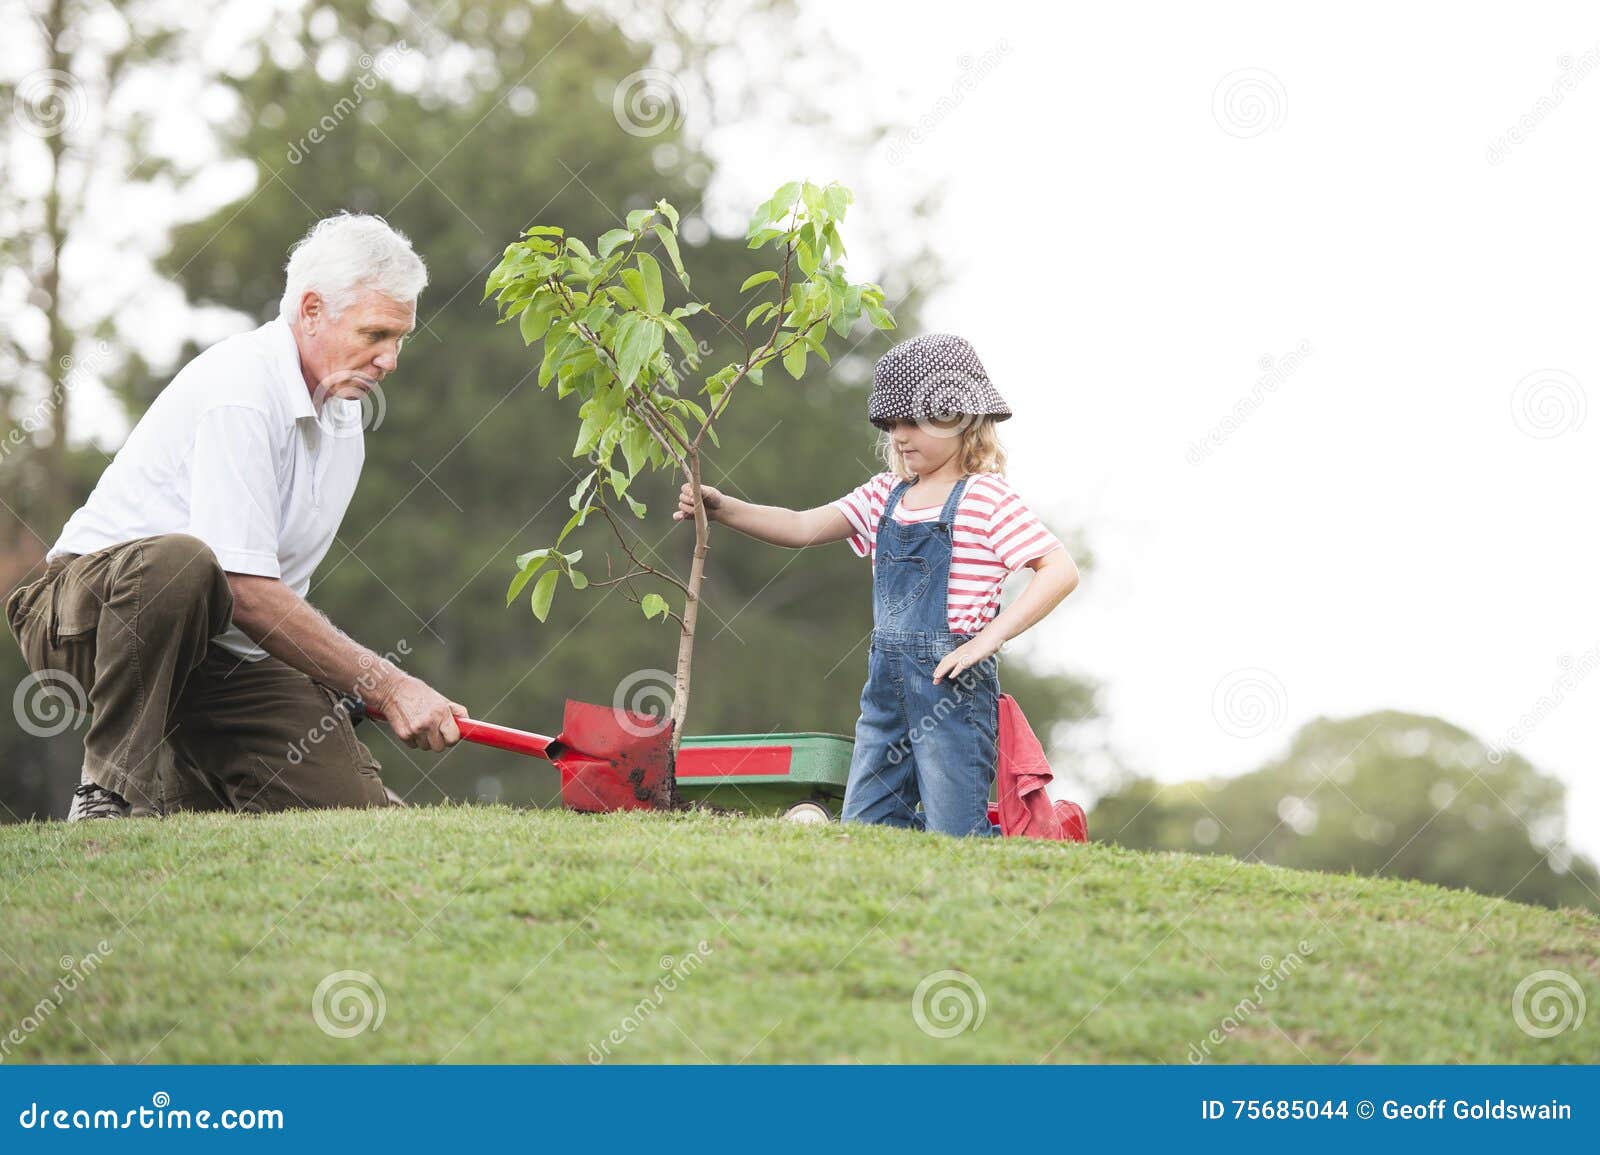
995 534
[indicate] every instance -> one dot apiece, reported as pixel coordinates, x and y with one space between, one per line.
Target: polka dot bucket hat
934 376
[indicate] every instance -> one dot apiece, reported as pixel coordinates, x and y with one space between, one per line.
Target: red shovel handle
501 737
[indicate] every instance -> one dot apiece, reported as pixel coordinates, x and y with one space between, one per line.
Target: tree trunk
50 511
691 605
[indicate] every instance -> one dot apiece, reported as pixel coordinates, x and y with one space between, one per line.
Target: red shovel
609 759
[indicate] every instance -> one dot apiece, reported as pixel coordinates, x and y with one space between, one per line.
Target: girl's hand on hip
961 659
709 494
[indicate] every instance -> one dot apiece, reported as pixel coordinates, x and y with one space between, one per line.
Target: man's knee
181 570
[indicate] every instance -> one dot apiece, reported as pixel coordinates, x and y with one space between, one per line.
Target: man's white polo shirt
234 453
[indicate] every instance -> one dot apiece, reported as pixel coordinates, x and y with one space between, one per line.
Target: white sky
1383 531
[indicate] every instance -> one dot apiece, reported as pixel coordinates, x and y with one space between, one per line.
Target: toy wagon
800 776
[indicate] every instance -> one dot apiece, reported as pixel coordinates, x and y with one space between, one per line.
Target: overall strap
894 500
947 516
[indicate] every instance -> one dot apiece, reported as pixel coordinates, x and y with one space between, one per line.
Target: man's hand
419 715
710 495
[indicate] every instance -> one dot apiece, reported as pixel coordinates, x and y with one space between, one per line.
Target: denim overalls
916 741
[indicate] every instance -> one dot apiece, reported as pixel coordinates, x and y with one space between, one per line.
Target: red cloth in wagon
1025 808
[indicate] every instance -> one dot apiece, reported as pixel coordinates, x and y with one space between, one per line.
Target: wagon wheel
808 813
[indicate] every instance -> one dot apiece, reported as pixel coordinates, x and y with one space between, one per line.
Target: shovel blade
613 759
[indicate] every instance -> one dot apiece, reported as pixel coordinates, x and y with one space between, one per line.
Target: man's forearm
284 624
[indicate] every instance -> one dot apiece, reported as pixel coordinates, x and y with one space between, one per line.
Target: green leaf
583 487
655 297
523 578
670 244
579 581
635 445
634 279
588 432
637 218
543 591
638 340
610 239
879 316
688 310
653 605
794 359
574 521
544 231
635 505
668 211
535 323
760 278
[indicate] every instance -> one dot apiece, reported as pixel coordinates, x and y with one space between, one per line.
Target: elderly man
176 596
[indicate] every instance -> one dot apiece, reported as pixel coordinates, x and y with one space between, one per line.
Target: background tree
1392 794
77 122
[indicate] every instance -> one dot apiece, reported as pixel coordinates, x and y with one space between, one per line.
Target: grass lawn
499 935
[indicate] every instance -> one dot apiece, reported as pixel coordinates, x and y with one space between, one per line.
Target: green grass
499 935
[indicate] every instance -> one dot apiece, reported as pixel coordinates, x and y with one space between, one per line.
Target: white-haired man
176 595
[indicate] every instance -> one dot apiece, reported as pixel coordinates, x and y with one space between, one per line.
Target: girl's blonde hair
980 450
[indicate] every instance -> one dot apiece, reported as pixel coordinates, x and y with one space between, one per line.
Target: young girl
943 530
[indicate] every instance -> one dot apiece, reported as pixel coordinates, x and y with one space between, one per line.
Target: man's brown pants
178 723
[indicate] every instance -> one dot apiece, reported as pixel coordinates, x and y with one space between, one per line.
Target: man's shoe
91 801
